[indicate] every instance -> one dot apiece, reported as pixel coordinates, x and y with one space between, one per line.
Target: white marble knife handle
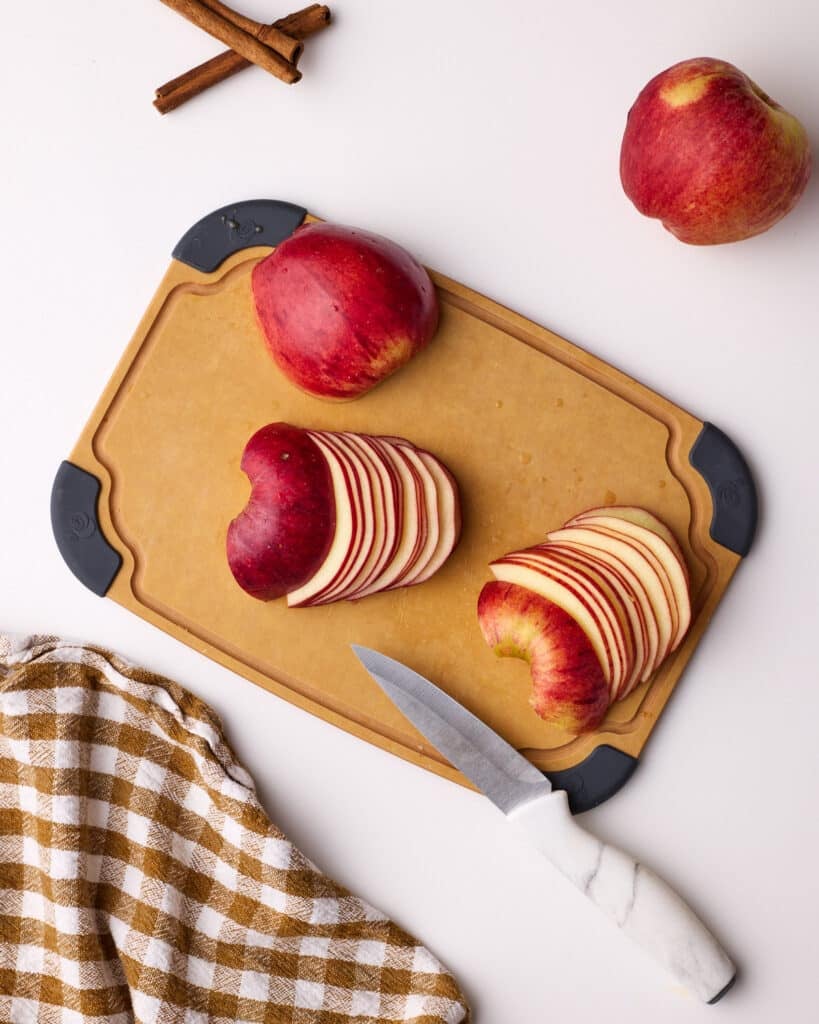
639 903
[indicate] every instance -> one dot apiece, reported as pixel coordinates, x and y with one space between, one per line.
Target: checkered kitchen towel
140 879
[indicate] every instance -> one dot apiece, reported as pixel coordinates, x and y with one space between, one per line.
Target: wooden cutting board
534 429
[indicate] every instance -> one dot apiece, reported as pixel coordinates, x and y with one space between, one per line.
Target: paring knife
639 903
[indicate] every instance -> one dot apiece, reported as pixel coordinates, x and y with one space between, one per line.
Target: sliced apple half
676 576
613 629
339 553
559 590
620 576
449 515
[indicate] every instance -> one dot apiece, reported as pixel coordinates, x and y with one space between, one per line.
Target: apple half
620 576
337 516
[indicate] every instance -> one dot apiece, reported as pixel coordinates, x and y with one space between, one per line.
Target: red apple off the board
711 155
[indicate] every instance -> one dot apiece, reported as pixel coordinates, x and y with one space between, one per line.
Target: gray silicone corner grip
85 550
233 228
596 778
733 494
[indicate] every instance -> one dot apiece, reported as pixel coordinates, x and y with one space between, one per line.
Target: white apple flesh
383 513
364 502
339 553
448 512
431 521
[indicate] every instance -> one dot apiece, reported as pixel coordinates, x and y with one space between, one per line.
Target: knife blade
640 903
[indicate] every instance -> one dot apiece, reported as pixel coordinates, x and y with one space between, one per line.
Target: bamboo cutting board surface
534 429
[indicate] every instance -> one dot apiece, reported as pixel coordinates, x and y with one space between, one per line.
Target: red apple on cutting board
337 516
595 610
711 155
341 309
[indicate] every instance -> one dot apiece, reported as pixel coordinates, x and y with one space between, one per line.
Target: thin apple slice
371 523
583 582
449 514
677 581
628 555
433 530
629 601
413 526
340 551
400 457
574 539
384 489
573 601
640 517
599 576
362 516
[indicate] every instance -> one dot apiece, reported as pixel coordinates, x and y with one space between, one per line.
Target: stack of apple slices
370 513
620 575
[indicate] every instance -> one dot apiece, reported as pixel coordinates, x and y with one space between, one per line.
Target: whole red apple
341 309
281 537
708 153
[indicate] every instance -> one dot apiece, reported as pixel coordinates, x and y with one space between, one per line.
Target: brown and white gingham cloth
141 880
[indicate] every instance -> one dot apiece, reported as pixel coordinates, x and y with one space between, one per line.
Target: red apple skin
281 538
708 153
341 309
569 688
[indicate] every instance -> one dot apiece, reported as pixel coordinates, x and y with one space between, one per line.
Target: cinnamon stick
285 45
191 83
236 38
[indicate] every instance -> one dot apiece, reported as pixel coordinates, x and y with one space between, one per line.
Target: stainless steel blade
495 767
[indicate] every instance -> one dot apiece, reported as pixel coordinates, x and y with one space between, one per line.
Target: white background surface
485 137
